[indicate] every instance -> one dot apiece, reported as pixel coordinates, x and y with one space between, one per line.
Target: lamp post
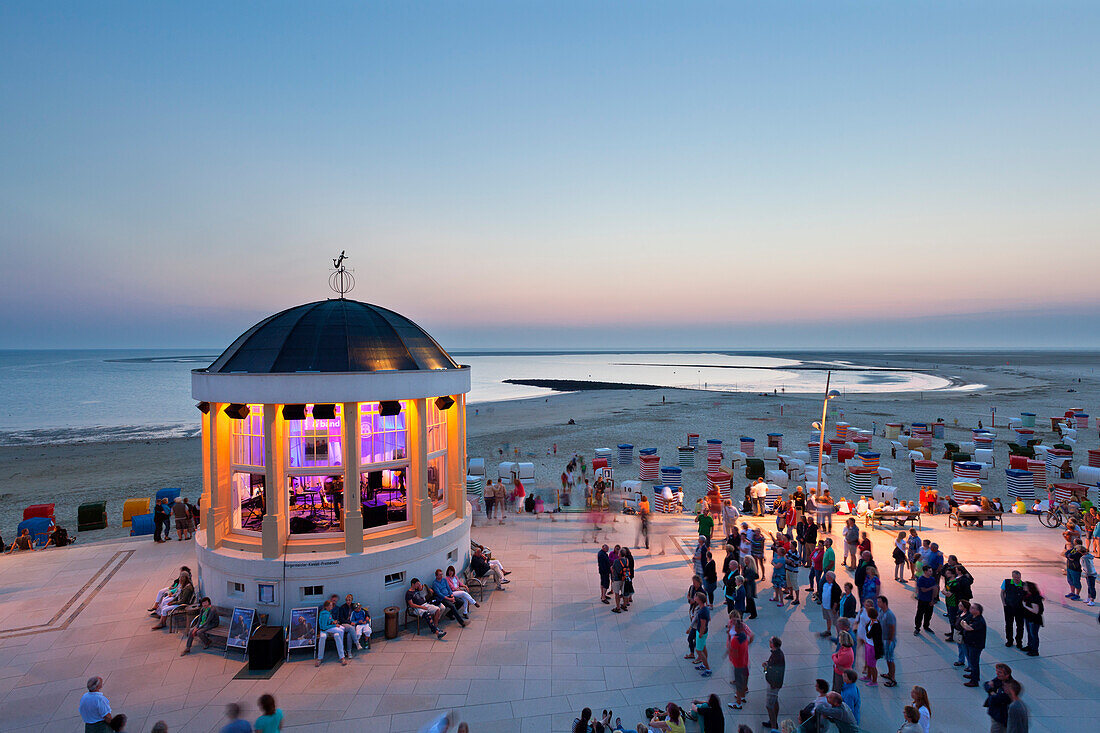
829 394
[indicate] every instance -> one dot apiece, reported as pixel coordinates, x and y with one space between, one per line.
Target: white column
419 503
353 508
276 522
456 457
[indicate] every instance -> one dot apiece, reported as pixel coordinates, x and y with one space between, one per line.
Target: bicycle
1060 515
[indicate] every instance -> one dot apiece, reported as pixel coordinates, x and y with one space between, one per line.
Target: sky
554 175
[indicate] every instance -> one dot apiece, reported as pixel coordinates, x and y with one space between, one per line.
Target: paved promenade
530 659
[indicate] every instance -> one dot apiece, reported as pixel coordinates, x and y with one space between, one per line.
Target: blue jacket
850 694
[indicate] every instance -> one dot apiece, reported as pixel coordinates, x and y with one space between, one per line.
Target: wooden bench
990 517
880 518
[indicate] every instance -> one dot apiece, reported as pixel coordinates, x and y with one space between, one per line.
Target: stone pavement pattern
531 658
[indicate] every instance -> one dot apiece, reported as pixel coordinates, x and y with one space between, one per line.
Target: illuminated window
315 443
247 503
247 442
437 428
316 503
384 495
437 486
382 438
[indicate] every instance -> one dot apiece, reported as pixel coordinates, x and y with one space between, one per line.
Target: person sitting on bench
419 606
180 599
328 626
360 621
446 598
483 566
204 621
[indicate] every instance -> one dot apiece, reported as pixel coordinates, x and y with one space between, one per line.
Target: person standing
748 572
618 575
912 551
740 636
815 561
851 542
793 563
603 567
94 708
1012 599
490 499
849 692
974 639
1033 617
830 603
843 658
926 592
161 531
699 557
1018 714
706 524
236 724
759 494
889 623
1088 569
919 696
873 646
700 623
774 669
710 577
500 501
997 700
272 719
901 556
828 560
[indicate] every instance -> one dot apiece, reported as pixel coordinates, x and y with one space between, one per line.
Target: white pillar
353 508
456 457
419 503
276 522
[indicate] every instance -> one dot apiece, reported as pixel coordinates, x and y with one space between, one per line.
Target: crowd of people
859 625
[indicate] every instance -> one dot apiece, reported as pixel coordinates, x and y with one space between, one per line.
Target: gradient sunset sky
564 175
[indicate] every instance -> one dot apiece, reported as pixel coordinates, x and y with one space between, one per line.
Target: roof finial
341 281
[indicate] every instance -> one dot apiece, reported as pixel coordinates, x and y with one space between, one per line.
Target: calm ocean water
65 396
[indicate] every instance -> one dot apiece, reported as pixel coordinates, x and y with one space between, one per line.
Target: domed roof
333 336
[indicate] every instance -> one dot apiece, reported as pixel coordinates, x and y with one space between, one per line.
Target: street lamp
820 426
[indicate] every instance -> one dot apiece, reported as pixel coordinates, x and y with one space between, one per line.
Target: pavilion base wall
363 575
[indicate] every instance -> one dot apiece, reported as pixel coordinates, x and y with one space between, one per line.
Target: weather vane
341 281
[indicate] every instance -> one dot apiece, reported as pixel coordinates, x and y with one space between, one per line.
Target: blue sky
554 174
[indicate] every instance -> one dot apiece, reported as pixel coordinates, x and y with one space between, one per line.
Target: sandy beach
1038 382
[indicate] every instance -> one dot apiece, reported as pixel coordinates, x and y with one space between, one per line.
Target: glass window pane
316 504
247 503
314 442
384 496
247 438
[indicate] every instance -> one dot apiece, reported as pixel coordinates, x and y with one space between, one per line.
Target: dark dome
333 336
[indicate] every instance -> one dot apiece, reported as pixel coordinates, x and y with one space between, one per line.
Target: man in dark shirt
1012 598
774 669
865 562
1073 571
928 589
974 640
160 522
603 566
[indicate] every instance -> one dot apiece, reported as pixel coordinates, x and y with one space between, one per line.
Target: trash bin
391 621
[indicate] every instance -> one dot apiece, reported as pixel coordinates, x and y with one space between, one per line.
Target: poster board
303 628
240 628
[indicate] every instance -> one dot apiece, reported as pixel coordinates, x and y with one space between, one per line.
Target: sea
61 396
